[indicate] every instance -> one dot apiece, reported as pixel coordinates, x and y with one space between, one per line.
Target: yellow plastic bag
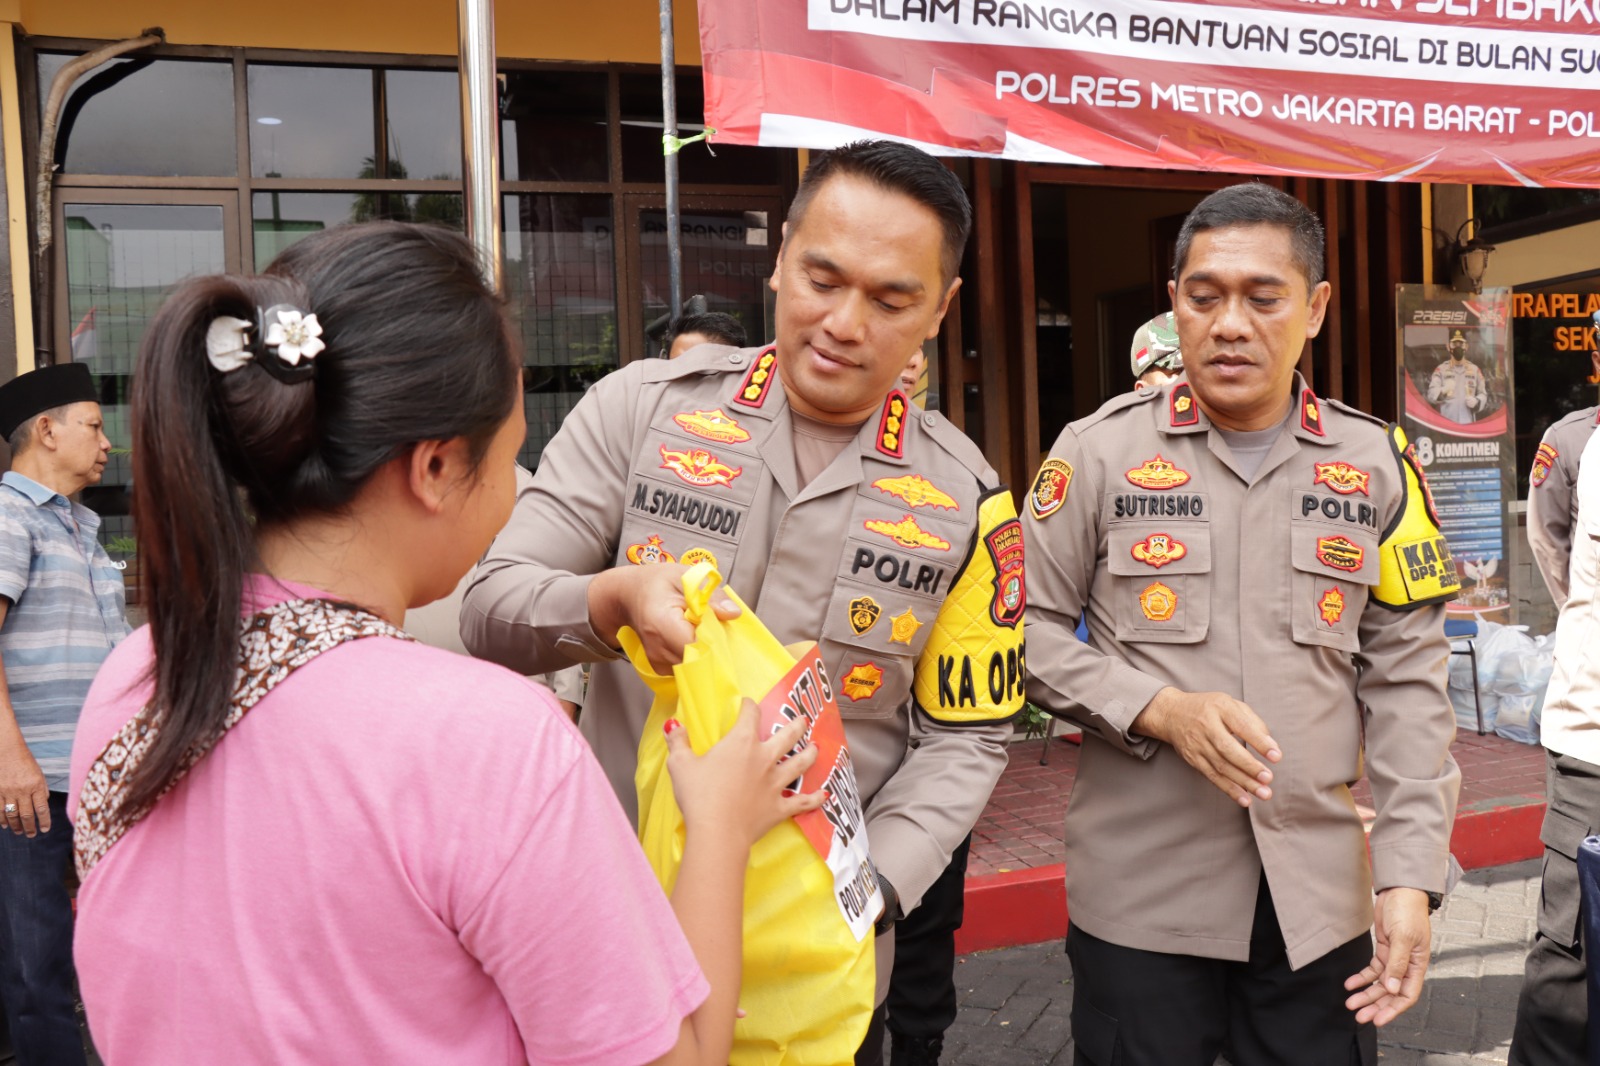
808 952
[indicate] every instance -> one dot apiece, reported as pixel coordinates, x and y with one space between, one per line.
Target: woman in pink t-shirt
307 838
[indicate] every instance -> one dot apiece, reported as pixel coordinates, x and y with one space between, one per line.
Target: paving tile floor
1015 1002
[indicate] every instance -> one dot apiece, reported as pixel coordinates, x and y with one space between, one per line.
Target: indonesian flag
83 345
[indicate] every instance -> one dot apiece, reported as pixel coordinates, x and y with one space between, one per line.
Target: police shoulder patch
1543 461
1050 486
758 379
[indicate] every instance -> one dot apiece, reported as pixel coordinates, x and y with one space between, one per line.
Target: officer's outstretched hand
1215 734
1392 981
649 599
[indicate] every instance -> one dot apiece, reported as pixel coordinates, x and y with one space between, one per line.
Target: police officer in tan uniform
837 511
1263 581
1552 500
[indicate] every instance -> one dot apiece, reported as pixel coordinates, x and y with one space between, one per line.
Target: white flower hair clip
292 337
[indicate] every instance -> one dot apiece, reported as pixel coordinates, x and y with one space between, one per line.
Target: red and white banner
1484 91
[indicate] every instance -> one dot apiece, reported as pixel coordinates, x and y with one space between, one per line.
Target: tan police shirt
1193 577
1571 724
676 461
1552 499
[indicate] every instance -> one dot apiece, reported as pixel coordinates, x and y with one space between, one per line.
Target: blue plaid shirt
66 614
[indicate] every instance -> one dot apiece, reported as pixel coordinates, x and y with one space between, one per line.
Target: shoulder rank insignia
1050 486
862 681
1331 606
698 467
891 426
864 612
1182 410
1415 567
906 533
697 555
1341 553
1543 460
1159 549
1158 602
1310 413
712 425
1157 473
917 491
650 551
903 627
972 669
1343 478
758 381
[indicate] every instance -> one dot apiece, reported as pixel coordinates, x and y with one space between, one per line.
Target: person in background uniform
1157 358
61 613
1263 580
712 327
1552 503
835 510
1457 386
1552 1007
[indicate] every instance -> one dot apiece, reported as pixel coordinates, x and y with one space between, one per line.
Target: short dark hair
899 168
720 327
1253 203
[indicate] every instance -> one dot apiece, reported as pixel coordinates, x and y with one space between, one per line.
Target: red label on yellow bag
837 830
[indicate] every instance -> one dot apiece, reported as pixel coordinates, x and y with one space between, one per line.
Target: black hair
417 348
1254 203
721 328
899 168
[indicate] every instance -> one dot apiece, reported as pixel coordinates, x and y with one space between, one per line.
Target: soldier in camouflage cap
1156 358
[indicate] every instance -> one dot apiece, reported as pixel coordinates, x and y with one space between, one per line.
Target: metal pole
480 135
669 128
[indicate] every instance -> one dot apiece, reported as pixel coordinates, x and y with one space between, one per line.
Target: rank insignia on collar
1006 552
712 425
1543 460
1331 606
1158 602
1181 407
906 533
698 467
1343 478
903 627
650 551
1157 473
891 425
917 491
864 612
1159 549
862 681
697 555
1310 413
753 390
1050 486
1341 553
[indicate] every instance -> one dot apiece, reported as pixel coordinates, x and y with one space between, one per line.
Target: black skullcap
40 390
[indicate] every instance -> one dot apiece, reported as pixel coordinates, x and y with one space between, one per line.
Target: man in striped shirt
61 612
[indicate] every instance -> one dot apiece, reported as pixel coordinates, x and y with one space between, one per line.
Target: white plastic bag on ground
1513 670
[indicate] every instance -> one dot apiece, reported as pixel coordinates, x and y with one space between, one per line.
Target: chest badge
1006 553
1543 460
1049 490
698 555
864 612
916 491
903 627
1159 549
712 425
1341 553
650 551
1343 478
862 681
1331 606
906 533
1158 602
1158 473
698 466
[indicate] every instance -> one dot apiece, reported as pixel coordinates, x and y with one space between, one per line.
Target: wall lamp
1471 258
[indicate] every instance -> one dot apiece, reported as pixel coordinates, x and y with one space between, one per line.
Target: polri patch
1341 553
863 680
1050 486
1158 602
1343 478
650 551
916 491
906 533
1543 461
1004 543
864 612
1331 606
1158 473
712 425
1159 549
698 555
903 627
698 467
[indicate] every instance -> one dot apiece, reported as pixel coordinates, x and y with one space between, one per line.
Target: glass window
727 258
1552 334
423 109
1516 211
282 218
553 126
561 284
641 139
145 116
311 122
